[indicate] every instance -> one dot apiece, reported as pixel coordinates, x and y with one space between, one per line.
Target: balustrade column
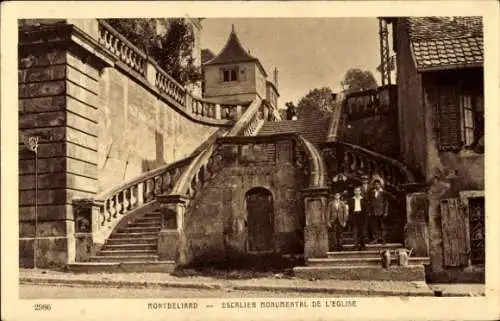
217 111
151 73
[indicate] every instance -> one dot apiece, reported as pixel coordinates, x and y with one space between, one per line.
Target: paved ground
67 292
219 285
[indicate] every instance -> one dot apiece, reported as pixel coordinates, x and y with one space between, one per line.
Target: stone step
125 252
121 234
144 224
376 246
139 229
356 254
366 273
130 246
136 240
362 261
155 214
124 258
126 267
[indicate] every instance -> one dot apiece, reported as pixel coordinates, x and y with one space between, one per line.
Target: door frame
247 245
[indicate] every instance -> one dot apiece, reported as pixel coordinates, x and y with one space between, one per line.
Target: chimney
276 77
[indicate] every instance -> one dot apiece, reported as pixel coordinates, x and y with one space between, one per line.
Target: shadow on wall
148 165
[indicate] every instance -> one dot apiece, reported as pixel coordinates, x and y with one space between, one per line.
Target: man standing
338 213
379 207
357 206
365 193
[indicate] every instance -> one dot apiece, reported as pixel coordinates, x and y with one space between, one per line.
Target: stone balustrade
355 161
158 80
140 191
371 102
167 85
117 44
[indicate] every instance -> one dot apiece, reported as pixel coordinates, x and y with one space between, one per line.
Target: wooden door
260 218
455 226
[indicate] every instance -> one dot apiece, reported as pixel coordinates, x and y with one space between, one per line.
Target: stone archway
260 220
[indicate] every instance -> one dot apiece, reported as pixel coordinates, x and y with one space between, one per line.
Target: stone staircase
350 264
131 248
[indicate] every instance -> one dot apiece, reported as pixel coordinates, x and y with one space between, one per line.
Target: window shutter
449 131
455 226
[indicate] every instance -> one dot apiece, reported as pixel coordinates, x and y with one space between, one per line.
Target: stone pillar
59 71
416 228
172 244
88 218
151 73
315 230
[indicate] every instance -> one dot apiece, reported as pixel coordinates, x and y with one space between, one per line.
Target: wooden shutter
449 130
454 223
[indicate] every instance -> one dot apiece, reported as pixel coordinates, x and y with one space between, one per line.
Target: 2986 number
42 307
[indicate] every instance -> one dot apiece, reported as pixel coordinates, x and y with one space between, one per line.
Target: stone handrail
197 170
247 118
139 191
122 48
335 124
355 160
317 167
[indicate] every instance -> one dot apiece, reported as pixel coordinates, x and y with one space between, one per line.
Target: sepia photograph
269 163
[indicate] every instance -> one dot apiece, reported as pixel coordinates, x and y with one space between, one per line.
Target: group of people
363 211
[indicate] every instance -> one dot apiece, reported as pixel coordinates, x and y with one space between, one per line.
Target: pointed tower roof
233 52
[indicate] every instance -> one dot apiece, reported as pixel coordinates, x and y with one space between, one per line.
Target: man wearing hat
365 192
337 216
378 210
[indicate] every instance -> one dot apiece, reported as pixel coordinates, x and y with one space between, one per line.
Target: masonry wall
461 170
58 102
137 131
210 220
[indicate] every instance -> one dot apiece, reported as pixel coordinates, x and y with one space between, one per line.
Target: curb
218 286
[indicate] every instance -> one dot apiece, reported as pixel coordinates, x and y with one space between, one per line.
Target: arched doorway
260 220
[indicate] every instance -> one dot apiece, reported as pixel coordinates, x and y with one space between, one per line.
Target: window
230 74
467 119
460 121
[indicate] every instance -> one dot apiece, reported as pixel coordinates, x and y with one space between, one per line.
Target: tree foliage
356 79
319 102
169 42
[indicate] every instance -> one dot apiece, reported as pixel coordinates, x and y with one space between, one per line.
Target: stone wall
138 132
212 216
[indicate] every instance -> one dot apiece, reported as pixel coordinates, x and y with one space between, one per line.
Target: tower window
230 74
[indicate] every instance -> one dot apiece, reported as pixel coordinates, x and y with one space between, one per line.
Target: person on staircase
338 213
358 217
379 208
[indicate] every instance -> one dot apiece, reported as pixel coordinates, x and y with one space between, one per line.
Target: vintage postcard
250 160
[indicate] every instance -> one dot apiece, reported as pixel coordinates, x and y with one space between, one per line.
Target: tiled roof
233 52
313 129
445 42
206 55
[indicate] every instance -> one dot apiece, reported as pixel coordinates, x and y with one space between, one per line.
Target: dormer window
230 74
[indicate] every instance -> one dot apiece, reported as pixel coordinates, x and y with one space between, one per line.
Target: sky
308 52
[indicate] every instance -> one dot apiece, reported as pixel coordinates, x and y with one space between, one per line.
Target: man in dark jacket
379 207
336 220
358 214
